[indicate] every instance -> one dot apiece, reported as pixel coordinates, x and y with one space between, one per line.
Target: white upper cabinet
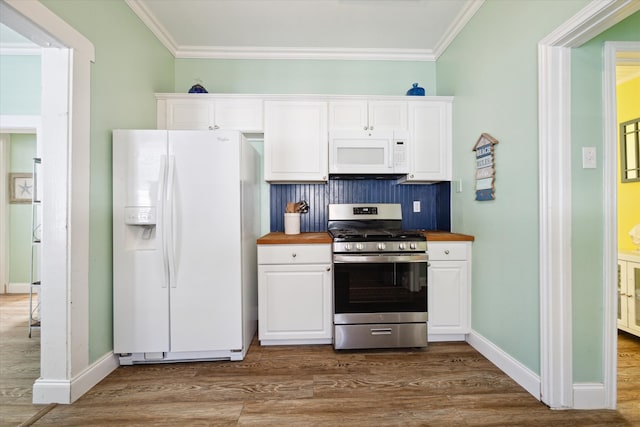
200 111
367 115
431 141
296 128
296 141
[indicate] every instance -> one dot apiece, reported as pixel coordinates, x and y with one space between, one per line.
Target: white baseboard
588 396
522 375
65 391
91 376
51 391
17 288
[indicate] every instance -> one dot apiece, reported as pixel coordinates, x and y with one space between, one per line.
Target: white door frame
554 108
610 195
65 244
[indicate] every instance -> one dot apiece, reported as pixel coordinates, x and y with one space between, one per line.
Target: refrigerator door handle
162 184
169 221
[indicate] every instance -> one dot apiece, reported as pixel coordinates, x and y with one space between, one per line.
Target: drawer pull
294 255
381 331
446 252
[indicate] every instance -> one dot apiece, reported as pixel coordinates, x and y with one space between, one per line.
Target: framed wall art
20 187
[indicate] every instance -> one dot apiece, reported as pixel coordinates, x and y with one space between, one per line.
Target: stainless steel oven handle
345 259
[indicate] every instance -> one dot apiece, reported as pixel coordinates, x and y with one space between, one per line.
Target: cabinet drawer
447 251
294 254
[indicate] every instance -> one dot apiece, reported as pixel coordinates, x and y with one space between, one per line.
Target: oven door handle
380 259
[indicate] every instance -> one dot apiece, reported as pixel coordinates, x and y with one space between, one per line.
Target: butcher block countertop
279 238
445 236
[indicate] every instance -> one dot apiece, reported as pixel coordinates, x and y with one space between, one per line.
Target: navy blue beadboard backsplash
435 201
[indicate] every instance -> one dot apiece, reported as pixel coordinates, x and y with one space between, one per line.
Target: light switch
588 157
416 205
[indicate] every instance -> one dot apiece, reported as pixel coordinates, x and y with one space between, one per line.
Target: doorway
621 80
66 58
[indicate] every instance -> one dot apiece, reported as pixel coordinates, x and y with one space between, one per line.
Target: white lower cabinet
295 294
629 292
449 291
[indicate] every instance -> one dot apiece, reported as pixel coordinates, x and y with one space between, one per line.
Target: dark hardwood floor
448 384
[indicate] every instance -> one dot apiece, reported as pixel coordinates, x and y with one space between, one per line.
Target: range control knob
347 247
402 246
381 246
412 245
359 246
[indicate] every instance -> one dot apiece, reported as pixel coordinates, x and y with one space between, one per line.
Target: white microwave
368 152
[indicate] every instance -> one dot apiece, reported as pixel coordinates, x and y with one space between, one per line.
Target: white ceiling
316 29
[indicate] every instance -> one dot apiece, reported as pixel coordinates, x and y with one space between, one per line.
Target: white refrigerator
185 224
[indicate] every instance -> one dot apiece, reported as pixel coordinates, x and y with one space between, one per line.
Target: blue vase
415 91
197 89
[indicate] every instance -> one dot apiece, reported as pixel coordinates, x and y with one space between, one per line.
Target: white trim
323 53
555 226
463 18
610 190
522 375
20 124
17 288
141 10
93 375
65 151
555 214
51 31
19 50
51 391
343 54
4 213
588 396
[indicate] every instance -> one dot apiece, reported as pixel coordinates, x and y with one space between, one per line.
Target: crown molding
463 18
598 16
323 53
152 23
365 54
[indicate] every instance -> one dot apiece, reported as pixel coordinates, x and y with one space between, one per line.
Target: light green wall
23 150
130 66
305 76
20 84
587 200
491 69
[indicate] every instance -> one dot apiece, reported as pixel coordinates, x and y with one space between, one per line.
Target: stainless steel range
379 276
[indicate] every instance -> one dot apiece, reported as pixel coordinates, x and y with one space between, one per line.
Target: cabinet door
622 294
294 302
367 115
430 134
348 115
387 115
448 298
296 141
239 114
190 113
633 296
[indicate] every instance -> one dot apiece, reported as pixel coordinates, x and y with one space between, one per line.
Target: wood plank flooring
448 384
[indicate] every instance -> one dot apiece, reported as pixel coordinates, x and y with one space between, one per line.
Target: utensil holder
292 223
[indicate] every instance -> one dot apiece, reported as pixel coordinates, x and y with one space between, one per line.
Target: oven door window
380 287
